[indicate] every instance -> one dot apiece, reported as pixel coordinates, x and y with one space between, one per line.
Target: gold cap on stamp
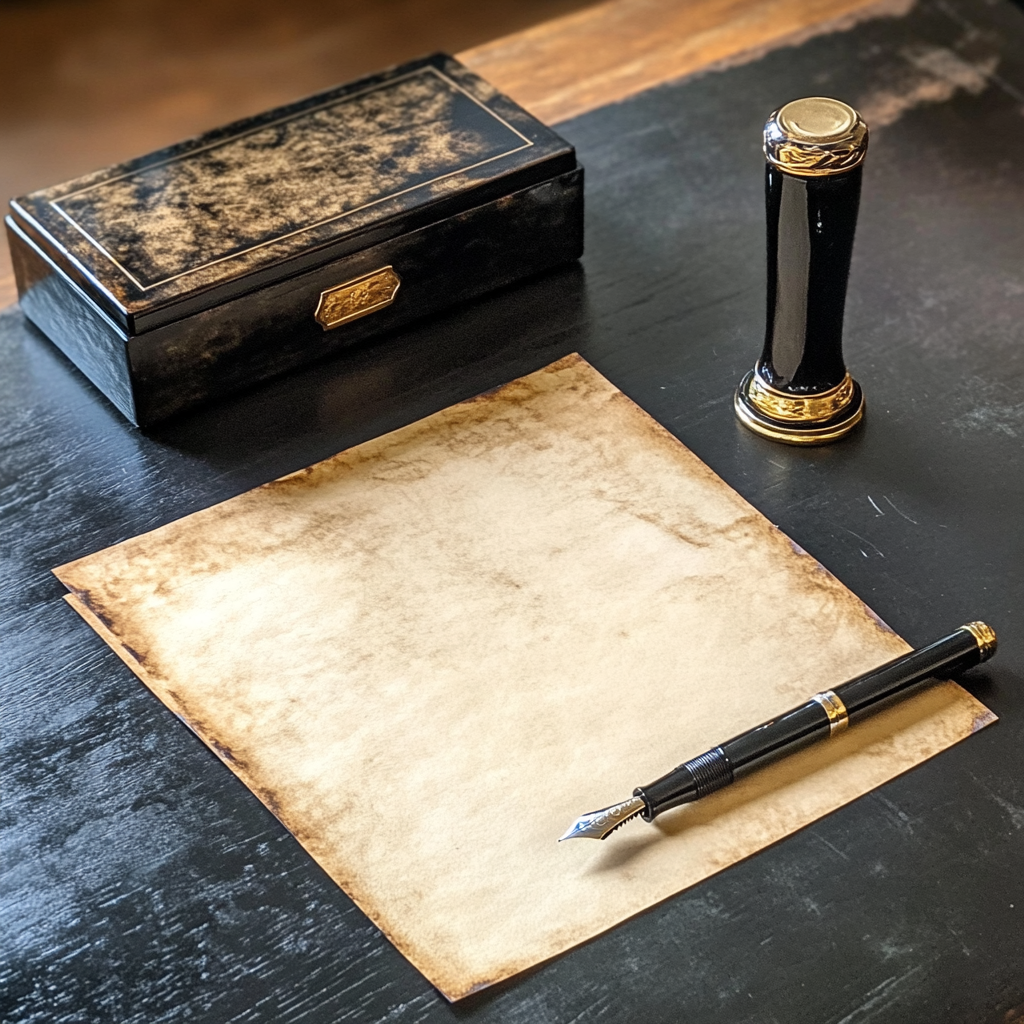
815 137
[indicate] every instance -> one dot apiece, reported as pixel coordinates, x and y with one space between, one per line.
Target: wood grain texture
600 55
8 289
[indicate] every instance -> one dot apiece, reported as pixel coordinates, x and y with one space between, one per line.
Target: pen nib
600 824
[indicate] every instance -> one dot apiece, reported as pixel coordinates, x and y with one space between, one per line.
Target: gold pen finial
815 137
985 636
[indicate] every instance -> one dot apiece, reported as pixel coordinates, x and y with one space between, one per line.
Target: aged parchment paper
428 654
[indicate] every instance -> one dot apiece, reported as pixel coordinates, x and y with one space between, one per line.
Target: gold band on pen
985 636
838 717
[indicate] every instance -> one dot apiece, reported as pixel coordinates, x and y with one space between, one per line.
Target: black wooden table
143 883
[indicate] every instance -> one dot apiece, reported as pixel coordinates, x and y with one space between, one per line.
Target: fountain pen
825 714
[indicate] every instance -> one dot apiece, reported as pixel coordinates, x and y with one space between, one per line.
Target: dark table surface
143 883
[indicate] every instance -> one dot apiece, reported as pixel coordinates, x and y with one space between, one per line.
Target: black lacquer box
227 259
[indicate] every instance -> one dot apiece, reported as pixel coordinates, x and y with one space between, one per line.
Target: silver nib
601 824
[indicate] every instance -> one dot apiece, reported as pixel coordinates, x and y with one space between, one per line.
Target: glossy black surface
255 337
142 884
946 657
195 272
79 328
811 224
778 738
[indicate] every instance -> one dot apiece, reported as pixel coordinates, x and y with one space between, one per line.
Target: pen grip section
689 782
952 654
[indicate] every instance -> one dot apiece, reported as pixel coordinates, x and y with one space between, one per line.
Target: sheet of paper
430 653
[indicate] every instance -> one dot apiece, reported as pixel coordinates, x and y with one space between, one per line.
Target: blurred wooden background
86 83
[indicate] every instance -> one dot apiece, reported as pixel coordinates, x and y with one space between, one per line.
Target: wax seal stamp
799 391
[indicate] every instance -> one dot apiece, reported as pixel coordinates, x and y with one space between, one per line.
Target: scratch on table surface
890 949
834 849
864 540
810 905
874 506
896 814
899 511
972 31
879 997
996 409
600 1004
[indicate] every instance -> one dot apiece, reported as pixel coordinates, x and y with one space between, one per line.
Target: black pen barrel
777 738
824 715
952 654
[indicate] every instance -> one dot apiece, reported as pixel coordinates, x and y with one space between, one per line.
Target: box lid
188 227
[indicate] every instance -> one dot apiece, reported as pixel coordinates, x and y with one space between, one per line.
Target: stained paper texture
430 653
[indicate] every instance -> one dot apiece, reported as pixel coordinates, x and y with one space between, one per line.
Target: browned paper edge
137 665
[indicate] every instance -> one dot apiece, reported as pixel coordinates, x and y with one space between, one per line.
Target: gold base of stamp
811 429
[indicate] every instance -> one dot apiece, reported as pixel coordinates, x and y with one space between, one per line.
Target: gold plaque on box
356 298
